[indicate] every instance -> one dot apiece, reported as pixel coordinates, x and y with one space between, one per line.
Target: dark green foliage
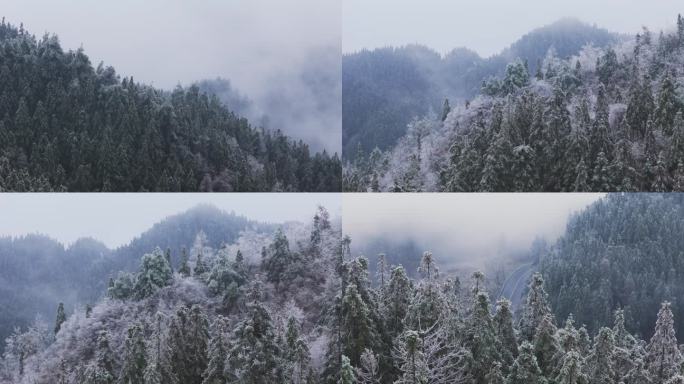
624 251
68 126
61 317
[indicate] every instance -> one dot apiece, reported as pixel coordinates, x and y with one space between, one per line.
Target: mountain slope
36 272
386 88
624 251
67 126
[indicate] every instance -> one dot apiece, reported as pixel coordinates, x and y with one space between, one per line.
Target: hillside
68 126
36 272
170 312
386 88
623 252
602 120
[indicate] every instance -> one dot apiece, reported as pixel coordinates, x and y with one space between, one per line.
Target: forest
66 125
604 119
385 88
297 307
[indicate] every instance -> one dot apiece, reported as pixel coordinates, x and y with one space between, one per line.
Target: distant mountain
384 89
37 272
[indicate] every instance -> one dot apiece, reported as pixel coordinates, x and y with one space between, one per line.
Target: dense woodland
625 251
67 126
386 88
603 120
37 272
305 311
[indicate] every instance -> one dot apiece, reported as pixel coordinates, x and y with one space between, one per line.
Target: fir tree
155 272
525 369
535 309
60 318
134 357
216 355
347 372
184 268
505 334
663 358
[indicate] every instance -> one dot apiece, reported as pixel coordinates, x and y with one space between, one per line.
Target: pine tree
277 258
546 345
663 358
347 372
218 349
200 267
505 334
446 108
159 368
188 339
134 357
359 330
397 301
480 338
155 273
184 268
101 370
414 369
525 369
61 318
600 362
536 307
571 371
254 356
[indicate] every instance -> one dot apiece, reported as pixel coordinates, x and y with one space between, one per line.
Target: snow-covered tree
134 357
155 272
535 309
663 357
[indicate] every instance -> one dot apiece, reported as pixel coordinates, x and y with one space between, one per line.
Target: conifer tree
600 362
134 357
525 369
155 272
347 372
216 355
546 345
101 370
61 318
397 301
480 338
254 356
536 307
200 267
159 368
571 371
184 268
663 358
505 334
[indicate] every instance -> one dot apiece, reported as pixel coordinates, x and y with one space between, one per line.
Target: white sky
116 218
487 26
169 41
259 45
475 222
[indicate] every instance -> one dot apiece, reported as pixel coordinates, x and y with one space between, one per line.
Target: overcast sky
260 45
488 26
115 219
474 223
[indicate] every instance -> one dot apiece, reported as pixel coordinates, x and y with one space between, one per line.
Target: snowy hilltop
605 119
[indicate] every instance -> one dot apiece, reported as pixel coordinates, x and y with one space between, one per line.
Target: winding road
514 287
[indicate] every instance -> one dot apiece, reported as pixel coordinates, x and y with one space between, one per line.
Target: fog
460 228
276 52
115 219
487 26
